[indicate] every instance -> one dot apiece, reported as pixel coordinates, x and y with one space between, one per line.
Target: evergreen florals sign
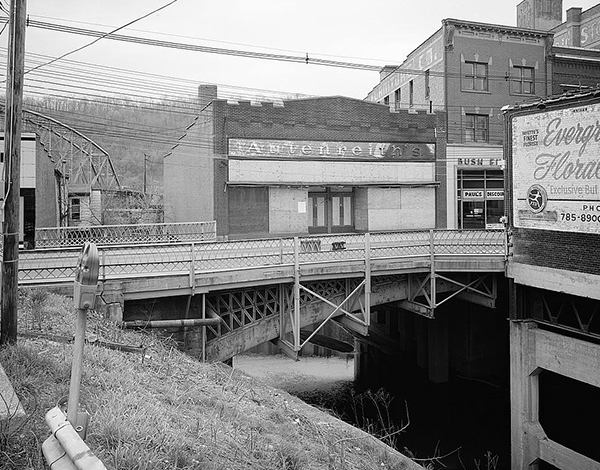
556 169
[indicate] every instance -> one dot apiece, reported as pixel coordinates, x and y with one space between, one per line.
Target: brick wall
570 251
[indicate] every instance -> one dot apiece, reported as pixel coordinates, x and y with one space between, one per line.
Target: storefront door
330 210
480 199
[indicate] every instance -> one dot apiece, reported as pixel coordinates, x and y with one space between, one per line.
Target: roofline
497 27
553 101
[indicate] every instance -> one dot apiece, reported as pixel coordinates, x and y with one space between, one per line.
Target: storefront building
309 166
470 71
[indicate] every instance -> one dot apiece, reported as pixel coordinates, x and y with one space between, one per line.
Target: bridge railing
58 265
102 235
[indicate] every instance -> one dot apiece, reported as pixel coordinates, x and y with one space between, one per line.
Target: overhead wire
137 98
101 36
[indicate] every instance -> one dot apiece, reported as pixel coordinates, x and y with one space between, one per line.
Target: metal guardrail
103 235
120 262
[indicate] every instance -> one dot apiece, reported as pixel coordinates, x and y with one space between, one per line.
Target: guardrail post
367 278
432 267
296 321
192 267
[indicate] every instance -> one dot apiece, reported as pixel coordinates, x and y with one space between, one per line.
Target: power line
190 47
100 37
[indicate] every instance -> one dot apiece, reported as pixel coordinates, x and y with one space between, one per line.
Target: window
411 93
397 97
546 6
521 80
476 128
475 76
386 100
75 208
426 84
480 197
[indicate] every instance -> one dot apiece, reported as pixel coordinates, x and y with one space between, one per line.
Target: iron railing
103 235
120 262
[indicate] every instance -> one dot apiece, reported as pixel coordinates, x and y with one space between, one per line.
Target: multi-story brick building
319 165
470 70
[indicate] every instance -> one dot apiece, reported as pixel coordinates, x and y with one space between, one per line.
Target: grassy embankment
160 409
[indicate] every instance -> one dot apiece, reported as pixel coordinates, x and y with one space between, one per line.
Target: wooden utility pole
11 170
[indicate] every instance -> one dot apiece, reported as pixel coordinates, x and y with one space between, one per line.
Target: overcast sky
374 32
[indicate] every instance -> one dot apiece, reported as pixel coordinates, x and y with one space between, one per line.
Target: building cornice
496 28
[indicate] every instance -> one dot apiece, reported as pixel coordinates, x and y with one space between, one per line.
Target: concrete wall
401 208
189 177
288 211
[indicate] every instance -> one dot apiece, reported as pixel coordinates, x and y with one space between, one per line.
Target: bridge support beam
438 353
421 337
533 350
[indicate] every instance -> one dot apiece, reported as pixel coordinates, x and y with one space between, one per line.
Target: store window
480 197
330 210
522 80
476 128
475 76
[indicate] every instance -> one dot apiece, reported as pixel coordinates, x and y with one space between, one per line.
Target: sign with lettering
590 32
480 162
556 169
494 194
305 150
472 194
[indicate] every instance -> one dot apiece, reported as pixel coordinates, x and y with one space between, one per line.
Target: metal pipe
77 366
213 321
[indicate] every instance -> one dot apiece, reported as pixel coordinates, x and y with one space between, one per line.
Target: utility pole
11 170
145 170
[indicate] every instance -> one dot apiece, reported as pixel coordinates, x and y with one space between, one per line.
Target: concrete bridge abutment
111 301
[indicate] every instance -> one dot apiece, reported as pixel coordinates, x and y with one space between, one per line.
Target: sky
374 32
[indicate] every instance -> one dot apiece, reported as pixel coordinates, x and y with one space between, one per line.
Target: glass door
331 210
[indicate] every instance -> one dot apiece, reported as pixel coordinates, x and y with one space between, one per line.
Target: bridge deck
192 267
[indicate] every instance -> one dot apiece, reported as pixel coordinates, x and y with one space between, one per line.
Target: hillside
156 408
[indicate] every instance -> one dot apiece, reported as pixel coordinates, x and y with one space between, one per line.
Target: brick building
470 71
553 199
319 165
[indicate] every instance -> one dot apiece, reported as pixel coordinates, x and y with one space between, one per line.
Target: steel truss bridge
79 162
242 293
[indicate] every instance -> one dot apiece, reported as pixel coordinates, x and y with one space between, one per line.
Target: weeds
165 410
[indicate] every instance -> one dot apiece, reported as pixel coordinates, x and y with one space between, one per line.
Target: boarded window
248 210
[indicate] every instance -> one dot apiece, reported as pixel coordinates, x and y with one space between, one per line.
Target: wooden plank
567 356
563 457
